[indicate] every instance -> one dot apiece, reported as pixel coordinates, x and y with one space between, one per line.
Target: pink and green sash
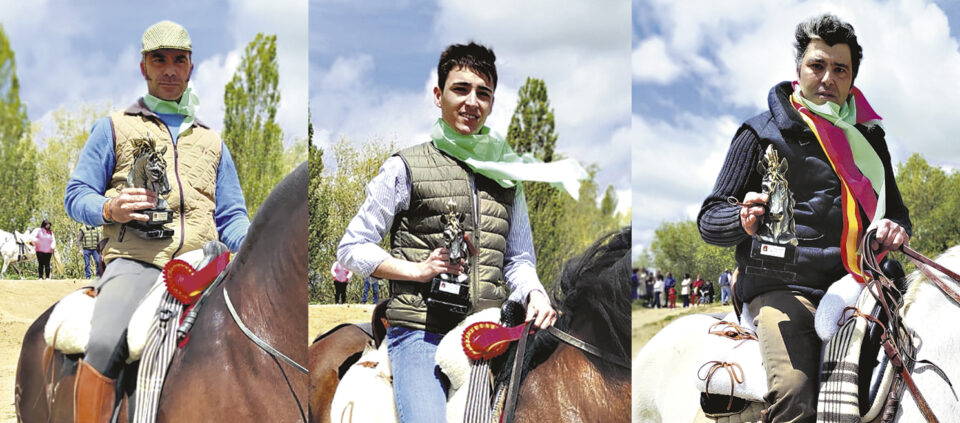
855 162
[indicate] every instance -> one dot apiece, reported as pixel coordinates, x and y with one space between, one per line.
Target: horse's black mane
593 285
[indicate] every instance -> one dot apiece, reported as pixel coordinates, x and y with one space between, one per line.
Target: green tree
18 154
677 248
54 166
561 226
609 203
532 129
335 201
250 129
318 211
932 196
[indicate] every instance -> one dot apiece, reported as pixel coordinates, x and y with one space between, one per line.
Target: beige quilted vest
192 172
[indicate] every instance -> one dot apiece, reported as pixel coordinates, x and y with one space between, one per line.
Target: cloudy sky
373 68
70 53
702 67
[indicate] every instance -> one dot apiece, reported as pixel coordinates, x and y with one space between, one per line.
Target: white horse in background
665 369
10 251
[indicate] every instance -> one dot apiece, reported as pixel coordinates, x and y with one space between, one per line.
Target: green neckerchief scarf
864 156
188 105
488 154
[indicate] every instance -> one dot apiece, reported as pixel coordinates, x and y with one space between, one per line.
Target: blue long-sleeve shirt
84 197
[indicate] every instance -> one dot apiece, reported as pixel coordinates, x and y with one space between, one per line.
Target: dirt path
20 303
647 322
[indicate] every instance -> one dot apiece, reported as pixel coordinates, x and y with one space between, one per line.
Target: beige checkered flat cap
165 34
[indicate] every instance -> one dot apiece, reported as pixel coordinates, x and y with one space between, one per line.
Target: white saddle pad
70 318
745 354
365 394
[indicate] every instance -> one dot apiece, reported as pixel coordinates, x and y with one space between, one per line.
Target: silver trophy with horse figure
776 239
449 292
149 171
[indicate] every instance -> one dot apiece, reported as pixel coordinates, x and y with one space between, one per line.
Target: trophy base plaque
449 296
153 228
157 216
770 252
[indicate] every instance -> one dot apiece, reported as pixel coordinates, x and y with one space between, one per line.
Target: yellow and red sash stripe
856 191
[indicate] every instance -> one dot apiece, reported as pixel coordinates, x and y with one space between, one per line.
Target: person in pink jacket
45 243
341 275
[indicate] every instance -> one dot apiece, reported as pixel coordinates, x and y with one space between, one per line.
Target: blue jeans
724 294
368 283
86 261
419 388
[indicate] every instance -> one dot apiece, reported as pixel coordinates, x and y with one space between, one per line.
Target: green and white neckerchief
488 154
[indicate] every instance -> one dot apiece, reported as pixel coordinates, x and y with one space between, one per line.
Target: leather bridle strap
897 362
256 340
513 389
922 263
586 347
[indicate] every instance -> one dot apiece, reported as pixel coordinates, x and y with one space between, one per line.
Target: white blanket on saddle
365 394
841 294
745 354
70 318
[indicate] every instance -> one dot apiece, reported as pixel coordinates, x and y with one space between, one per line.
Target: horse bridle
894 341
513 389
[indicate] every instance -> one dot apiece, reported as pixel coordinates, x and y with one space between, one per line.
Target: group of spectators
661 291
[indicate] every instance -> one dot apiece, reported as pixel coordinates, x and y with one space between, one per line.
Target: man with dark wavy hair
841 178
467 165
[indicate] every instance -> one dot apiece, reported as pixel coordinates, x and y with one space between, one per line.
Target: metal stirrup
256 340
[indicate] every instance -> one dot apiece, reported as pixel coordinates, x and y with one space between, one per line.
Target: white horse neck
930 315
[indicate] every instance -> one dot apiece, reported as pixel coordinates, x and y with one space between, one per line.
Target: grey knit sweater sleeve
719 221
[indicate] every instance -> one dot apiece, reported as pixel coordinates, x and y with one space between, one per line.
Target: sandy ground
324 317
647 322
20 303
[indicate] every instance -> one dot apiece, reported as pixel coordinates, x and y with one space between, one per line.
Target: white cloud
651 63
347 103
675 166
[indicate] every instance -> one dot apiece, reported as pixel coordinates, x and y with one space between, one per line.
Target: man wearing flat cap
205 198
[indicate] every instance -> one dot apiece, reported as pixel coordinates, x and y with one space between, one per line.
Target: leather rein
895 340
513 388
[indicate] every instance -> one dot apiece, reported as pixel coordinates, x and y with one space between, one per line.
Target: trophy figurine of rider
149 171
448 292
776 239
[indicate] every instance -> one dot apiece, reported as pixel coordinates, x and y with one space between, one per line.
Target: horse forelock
916 279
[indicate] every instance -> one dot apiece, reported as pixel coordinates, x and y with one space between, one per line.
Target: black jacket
816 190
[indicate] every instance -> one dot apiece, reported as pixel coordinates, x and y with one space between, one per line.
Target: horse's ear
162 150
760 168
783 164
443 219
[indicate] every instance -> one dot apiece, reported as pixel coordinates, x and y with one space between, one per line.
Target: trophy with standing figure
448 292
149 171
776 240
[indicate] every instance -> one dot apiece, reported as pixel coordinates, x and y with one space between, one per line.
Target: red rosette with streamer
186 283
478 347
